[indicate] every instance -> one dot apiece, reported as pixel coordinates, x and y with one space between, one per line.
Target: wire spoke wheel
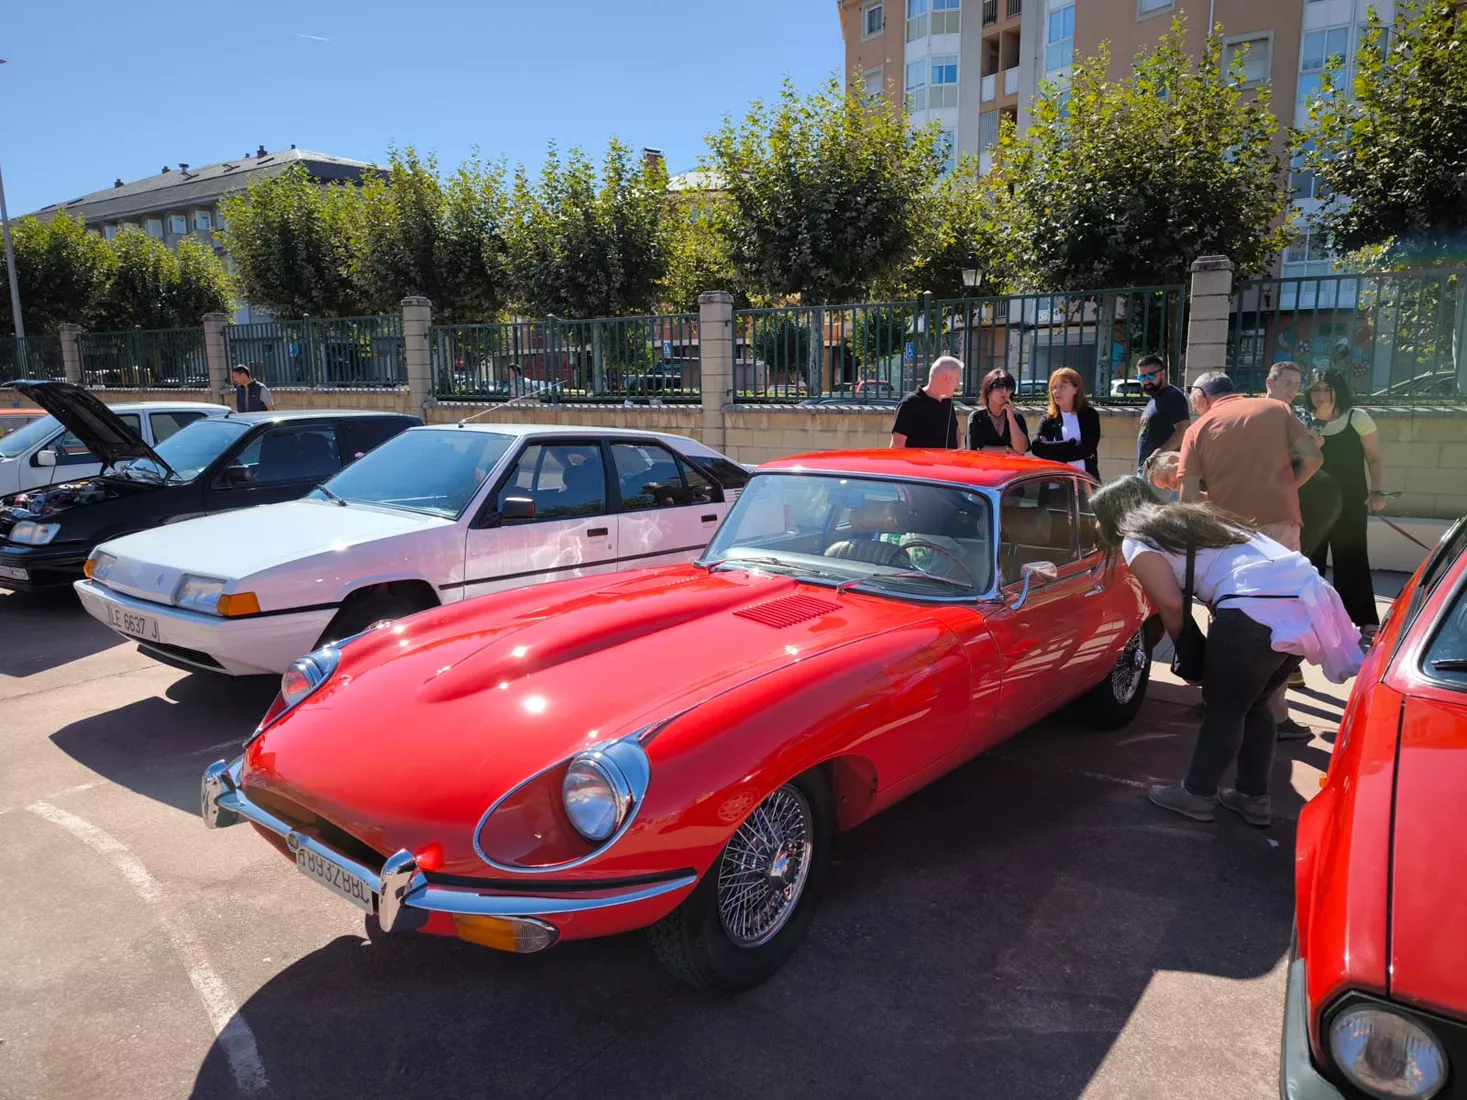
764 867
1125 674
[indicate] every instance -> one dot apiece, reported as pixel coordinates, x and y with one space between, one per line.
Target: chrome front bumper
400 885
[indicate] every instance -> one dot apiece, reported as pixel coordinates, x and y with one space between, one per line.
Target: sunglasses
1004 386
1146 376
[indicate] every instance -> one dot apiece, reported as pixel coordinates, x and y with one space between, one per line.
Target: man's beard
1152 387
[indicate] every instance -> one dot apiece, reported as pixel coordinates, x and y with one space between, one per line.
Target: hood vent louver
787 611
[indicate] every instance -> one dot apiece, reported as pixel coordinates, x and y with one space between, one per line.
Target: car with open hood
217 463
673 749
1376 1002
38 448
437 514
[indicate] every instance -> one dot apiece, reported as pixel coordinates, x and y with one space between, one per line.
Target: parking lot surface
1027 926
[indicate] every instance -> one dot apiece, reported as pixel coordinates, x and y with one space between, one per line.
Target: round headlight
306 674
1388 1055
596 795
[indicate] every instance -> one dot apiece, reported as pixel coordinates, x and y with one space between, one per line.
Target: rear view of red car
1377 992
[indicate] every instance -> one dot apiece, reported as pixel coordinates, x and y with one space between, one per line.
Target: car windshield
190 450
899 537
20 441
432 470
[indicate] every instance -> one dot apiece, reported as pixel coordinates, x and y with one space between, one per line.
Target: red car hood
1428 889
427 723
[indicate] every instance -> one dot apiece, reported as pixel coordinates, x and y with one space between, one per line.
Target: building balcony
1011 81
990 11
1015 7
988 88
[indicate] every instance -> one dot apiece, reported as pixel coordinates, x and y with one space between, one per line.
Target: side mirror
1043 571
44 458
516 508
235 475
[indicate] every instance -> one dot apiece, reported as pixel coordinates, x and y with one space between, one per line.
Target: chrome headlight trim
30 533
1348 1045
198 593
316 668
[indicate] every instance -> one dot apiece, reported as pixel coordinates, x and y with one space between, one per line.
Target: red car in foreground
673 749
1377 992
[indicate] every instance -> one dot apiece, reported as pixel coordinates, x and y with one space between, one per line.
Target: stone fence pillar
71 360
216 349
1208 312
716 352
417 318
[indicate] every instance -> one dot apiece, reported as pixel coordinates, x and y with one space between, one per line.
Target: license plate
130 622
353 889
14 572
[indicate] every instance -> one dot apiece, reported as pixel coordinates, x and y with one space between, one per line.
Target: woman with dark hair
1071 431
1270 610
995 424
1351 446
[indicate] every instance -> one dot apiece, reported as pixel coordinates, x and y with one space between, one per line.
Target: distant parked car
1126 387
41 450
216 464
666 375
435 515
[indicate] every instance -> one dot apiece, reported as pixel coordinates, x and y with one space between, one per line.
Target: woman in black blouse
1071 431
995 424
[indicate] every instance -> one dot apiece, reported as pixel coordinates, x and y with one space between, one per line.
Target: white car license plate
14 572
353 889
130 622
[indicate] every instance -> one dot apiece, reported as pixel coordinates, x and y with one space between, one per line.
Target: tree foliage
698 257
1126 182
154 287
584 243
959 221
62 272
1393 155
291 240
824 192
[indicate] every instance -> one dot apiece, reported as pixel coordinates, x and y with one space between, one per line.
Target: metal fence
334 353
652 357
30 357
1398 337
877 351
170 358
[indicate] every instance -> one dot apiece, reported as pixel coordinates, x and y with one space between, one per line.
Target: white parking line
229 1024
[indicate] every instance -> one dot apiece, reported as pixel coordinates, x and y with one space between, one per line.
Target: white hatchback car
433 515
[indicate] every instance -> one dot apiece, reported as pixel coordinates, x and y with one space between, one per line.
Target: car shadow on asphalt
45 630
992 935
158 747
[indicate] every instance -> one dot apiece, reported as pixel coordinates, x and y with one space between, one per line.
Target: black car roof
314 414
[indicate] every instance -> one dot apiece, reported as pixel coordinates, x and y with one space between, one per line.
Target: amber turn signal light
240 603
520 935
88 567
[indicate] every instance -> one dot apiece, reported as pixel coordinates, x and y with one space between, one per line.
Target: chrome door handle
1097 590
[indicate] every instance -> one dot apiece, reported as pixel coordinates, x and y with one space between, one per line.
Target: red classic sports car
673 749
1377 993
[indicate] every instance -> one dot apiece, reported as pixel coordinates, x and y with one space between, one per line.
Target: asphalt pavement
1027 926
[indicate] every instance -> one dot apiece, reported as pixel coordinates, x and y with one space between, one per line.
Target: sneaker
1256 809
1296 678
1175 797
1290 730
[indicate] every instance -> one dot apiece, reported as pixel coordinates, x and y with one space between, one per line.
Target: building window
109 231
202 222
947 144
1151 7
153 227
946 16
917 23
1319 51
872 22
1256 52
219 222
1304 184
987 130
944 91
1059 52
1308 245
917 86
872 83
177 224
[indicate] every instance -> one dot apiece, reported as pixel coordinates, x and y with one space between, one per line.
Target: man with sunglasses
1166 416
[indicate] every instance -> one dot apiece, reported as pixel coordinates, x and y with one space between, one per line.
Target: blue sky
96 89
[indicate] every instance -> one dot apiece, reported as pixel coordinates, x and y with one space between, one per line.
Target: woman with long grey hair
1270 610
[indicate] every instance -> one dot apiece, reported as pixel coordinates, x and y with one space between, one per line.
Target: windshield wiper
796 570
339 500
1450 664
914 574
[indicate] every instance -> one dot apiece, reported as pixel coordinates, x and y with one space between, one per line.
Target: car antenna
496 408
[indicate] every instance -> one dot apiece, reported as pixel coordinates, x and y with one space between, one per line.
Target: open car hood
103 432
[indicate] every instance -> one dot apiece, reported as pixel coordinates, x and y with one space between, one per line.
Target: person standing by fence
996 425
1319 497
1166 416
250 395
926 417
1071 431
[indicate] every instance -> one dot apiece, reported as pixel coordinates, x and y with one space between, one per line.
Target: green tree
1391 144
959 221
154 287
698 259
1126 182
416 235
201 285
290 238
63 273
589 244
825 193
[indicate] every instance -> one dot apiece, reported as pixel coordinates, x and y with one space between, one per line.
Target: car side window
564 480
650 476
1445 659
1035 523
1086 530
71 451
290 453
362 434
1452 547
168 423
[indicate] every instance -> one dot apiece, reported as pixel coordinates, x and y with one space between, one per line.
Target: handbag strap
1187 587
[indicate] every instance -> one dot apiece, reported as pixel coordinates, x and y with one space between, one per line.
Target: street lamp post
972 276
10 261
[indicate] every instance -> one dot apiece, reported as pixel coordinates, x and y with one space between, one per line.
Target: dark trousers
1319 507
1242 673
1345 544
